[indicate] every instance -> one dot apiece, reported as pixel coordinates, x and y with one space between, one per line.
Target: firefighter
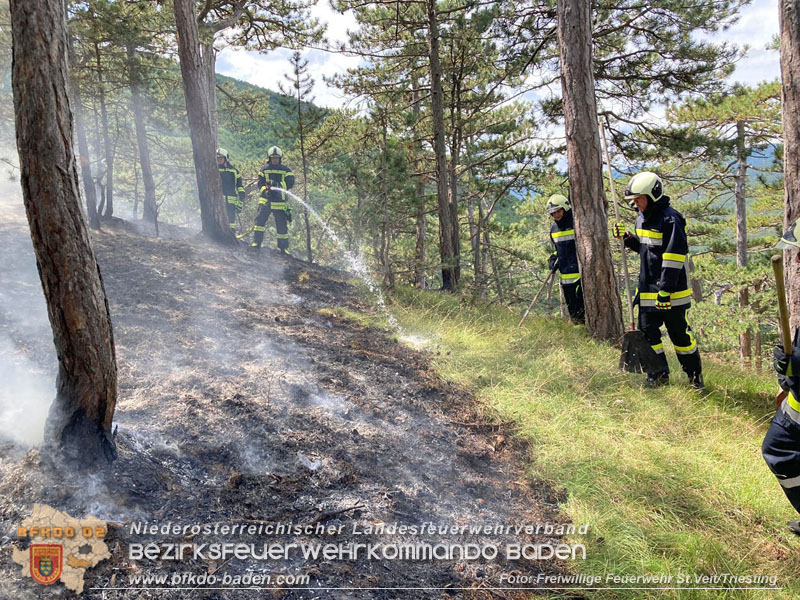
663 294
232 188
781 447
565 257
273 178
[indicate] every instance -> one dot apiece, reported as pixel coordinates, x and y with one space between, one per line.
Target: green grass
669 481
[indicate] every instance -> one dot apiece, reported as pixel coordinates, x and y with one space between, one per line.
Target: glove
552 262
288 211
662 301
782 362
618 230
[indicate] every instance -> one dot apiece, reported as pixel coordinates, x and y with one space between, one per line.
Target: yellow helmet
645 183
556 202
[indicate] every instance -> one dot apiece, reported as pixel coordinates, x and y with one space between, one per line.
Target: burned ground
241 400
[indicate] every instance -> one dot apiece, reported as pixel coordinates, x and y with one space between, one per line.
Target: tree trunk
301 131
757 347
150 209
419 246
209 187
209 75
135 211
745 352
109 149
86 167
79 423
600 293
790 108
448 215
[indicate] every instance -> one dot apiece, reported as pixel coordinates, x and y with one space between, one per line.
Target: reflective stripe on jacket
232 188
660 240
562 234
280 177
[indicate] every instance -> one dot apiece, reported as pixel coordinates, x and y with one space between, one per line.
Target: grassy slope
670 482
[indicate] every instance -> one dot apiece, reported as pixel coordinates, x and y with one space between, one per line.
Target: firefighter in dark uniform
663 295
565 258
781 447
273 178
232 188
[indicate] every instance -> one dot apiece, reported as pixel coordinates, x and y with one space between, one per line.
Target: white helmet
644 183
275 151
222 152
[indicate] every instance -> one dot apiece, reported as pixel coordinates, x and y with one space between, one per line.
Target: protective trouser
781 449
233 210
679 332
573 294
281 225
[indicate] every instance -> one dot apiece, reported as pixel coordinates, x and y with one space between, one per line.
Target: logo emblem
46 563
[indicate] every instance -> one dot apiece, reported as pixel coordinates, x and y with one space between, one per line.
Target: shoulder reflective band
673 261
676 298
650 237
563 236
791 408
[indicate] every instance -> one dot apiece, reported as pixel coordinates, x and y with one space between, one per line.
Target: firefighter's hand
662 301
782 362
288 211
618 230
552 262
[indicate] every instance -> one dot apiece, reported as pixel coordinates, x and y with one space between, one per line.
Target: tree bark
600 293
109 149
790 108
745 351
79 423
448 214
209 187
150 208
302 134
209 75
86 167
419 246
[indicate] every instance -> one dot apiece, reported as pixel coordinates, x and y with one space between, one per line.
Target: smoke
27 356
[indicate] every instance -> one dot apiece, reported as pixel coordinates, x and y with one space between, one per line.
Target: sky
758 23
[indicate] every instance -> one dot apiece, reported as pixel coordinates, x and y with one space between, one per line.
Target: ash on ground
239 401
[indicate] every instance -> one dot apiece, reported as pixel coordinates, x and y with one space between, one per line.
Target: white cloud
758 23
267 70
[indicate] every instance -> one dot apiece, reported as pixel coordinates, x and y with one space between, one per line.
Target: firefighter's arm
620 230
673 260
289 178
552 261
263 184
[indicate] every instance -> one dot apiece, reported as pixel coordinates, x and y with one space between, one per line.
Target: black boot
656 380
696 381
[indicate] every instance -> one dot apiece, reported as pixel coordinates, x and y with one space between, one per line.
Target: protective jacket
279 177
781 446
660 240
562 234
232 188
